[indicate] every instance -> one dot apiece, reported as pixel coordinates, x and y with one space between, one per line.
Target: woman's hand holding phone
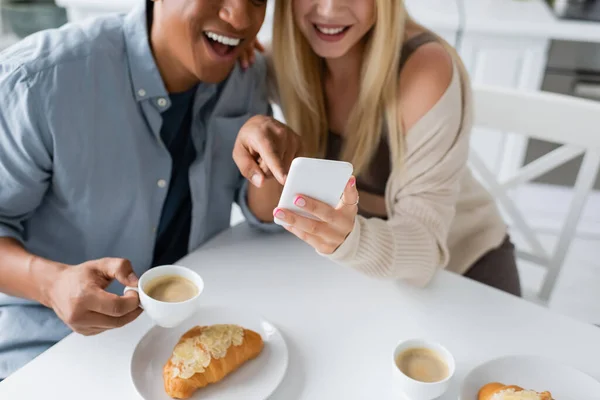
332 224
266 147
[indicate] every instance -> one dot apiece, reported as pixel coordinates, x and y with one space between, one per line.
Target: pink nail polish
352 182
279 214
300 202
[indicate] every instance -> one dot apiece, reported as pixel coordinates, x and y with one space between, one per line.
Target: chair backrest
570 121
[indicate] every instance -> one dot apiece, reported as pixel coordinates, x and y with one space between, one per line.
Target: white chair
572 122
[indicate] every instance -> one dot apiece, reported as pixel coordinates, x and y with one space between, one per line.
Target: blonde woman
360 81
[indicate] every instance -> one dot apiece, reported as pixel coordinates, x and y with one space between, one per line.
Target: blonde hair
299 76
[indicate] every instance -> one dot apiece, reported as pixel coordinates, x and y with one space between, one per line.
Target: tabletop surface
340 327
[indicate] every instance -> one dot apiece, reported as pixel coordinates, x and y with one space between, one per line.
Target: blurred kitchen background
530 45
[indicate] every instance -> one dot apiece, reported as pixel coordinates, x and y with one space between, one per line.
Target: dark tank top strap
412 44
374 179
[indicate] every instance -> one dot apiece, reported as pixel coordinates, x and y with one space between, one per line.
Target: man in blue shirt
116 140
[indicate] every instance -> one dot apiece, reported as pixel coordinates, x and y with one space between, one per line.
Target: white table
340 326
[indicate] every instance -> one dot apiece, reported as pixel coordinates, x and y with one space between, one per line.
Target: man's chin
215 73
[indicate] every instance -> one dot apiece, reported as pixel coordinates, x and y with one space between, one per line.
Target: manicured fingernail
300 202
256 179
279 214
352 182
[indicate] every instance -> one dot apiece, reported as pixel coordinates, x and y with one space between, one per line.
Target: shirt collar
145 77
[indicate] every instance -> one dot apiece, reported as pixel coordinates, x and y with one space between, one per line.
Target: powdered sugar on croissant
499 391
207 354
512 394
193 355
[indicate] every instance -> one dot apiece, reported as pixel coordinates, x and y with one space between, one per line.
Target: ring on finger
351 204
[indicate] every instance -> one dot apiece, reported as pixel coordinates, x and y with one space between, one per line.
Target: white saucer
257 379
534 373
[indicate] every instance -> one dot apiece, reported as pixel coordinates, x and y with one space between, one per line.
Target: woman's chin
329 52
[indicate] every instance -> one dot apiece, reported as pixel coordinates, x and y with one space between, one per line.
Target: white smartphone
322 180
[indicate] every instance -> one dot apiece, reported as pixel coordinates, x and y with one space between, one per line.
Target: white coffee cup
417 390
168 315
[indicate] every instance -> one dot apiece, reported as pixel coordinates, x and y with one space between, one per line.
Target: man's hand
265 146
79 299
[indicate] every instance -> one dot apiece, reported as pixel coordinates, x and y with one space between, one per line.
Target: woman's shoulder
426 78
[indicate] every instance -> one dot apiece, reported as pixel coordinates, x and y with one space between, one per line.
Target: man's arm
264 151
257 204
262 201
74 292
262 182
25 275
25 172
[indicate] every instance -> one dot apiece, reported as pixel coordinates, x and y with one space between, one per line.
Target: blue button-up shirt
83 171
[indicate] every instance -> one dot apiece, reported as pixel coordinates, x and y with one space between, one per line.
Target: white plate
534 373
257 379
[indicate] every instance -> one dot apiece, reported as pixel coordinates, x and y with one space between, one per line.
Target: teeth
223 39
330 31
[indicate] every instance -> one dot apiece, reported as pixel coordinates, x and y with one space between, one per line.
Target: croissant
207 354
498 391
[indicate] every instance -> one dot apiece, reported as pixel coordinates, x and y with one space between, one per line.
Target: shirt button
141 92
162 102
161 183
154 229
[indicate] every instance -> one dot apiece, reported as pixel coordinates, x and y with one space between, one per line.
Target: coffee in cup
422 370
169 294
422 364
171 288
